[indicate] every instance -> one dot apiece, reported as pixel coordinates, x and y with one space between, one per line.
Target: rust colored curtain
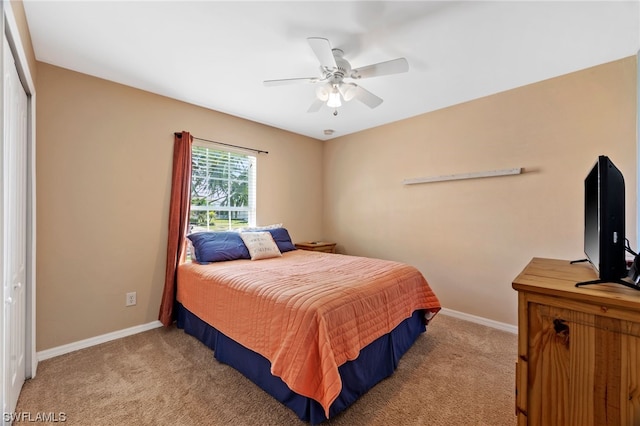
178 222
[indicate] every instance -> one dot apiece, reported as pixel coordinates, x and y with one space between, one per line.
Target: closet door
14 205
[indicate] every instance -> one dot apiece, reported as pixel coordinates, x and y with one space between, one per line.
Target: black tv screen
604 220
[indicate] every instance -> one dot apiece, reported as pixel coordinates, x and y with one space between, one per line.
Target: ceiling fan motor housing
342 70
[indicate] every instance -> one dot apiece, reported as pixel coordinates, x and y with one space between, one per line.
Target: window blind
223 189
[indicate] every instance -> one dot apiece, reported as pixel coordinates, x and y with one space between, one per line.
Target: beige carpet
458 373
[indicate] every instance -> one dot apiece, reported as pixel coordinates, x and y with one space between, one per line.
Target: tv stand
621 282
578 261
618 281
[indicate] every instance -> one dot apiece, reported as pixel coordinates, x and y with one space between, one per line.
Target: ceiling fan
334 70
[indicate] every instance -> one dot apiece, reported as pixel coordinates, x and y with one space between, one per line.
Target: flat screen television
604 222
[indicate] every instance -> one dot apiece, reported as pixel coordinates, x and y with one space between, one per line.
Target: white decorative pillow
260 244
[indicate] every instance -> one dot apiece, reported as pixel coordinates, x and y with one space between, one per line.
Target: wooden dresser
317 246
578 348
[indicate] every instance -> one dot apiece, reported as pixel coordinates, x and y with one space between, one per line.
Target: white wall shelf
460 176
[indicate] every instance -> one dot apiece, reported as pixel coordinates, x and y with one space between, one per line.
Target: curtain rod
259 151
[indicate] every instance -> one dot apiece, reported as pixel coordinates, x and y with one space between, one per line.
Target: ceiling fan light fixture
348 91
322 92
334 99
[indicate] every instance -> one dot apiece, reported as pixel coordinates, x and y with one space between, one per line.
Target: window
223 190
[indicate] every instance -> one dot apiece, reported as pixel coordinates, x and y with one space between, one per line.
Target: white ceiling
457 51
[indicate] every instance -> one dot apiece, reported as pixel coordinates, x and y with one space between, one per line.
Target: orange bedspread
306 312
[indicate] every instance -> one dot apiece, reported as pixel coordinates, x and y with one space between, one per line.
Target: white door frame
9 27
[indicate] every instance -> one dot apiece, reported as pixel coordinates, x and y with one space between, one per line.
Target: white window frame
250 209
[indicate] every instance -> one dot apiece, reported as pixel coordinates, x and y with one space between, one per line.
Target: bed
314 330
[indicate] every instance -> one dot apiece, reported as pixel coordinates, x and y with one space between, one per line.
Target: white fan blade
322 48
366 97
394 66
284 81
315 106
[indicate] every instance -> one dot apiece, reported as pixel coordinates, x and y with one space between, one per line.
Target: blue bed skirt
376 361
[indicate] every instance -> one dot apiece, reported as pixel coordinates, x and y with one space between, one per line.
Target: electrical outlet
131 299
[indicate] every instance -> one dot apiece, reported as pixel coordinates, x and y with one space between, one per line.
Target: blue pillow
218 246
282 239
279 235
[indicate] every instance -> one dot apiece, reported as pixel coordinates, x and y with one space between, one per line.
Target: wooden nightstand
322 246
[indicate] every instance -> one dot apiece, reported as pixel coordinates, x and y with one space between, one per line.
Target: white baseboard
86 343
480 320
82 344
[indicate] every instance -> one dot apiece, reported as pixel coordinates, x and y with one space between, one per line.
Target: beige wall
104 155
470 238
